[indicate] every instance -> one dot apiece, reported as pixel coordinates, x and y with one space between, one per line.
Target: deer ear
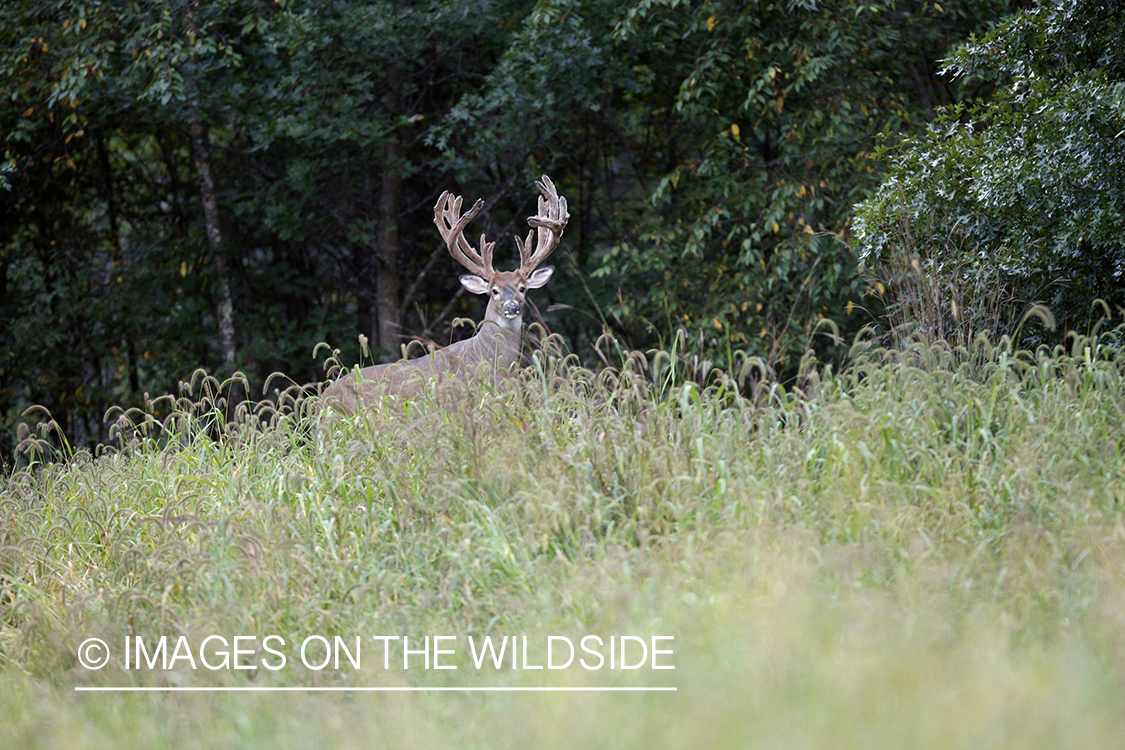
474 284
539 277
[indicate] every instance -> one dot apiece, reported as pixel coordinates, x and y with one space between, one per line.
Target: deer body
496 344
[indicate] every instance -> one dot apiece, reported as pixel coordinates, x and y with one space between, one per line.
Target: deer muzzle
511 309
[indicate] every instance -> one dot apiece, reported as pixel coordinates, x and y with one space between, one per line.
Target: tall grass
925 549
939 290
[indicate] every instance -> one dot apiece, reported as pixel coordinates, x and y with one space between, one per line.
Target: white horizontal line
172 689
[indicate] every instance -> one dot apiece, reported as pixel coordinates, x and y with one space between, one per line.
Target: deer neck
498 338
499 330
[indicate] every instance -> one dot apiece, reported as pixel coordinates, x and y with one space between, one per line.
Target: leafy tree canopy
226 184
777 107
730 141
1026 189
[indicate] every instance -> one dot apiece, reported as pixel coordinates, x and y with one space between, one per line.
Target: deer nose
511 309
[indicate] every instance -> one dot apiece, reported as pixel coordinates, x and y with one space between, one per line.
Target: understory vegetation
925 549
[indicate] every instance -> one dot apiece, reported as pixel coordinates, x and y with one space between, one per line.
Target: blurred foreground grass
926 550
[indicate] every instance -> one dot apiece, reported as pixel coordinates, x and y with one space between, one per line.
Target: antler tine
550 221
486 253
524 246
451 225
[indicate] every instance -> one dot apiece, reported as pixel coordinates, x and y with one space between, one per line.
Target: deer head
506 289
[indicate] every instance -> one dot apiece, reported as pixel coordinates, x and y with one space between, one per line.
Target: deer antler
550 221
447 217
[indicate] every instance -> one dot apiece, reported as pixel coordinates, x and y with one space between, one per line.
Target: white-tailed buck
496 344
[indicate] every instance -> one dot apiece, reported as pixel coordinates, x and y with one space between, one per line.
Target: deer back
493 348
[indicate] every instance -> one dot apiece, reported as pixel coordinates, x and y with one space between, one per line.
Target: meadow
925 549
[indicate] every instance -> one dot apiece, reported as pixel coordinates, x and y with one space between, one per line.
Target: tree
178 164
361 83
779 105
1024 192
106 122
710 151
727 143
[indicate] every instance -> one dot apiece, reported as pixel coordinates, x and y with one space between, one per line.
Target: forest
830 421
225 185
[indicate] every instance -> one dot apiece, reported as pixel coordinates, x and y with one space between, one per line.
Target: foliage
910 545
776 109
110 282
1025 189
108 272
710 152
746 126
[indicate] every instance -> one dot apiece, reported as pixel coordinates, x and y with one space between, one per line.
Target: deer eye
495 292
522 288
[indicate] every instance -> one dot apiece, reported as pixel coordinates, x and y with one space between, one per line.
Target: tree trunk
387 284
202 153
390 204
923 89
